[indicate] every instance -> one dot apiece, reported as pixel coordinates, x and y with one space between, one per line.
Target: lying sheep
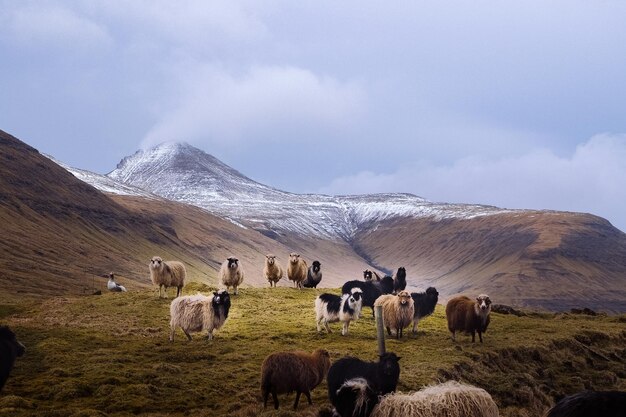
398 311
314 275
284 372
399 280
355 398
272 271
382 376
296 269
167 274
371 289
10 348
590 403
330 308
195 313
450 399
468 316
114 286
424 305
231 273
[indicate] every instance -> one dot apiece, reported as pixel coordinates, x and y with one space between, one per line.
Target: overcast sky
518 104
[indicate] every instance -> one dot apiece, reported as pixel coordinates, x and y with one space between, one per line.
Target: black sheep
399 280
10 348
591 403
313 276
424 304
382 376
371 289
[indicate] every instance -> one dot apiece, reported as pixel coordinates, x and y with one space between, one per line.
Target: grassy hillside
109 355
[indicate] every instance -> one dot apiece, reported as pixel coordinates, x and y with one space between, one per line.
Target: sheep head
270 259
156 262
294 257
404 297
233 262
484 303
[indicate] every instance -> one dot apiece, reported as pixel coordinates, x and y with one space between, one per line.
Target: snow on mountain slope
184 173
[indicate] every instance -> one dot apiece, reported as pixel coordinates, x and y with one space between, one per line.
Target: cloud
265 103
592 179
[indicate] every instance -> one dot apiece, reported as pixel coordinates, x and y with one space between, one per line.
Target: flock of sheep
356 388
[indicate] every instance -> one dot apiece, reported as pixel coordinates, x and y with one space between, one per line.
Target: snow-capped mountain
181 172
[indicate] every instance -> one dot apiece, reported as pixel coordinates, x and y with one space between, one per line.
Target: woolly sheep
399 280
371 289
195 313
272 271
10 348
590 403
298 371
296 269
231 273
424 304
398 311
167 274
314 275
330 308
381 376
114 286
468 316
450 399
355 398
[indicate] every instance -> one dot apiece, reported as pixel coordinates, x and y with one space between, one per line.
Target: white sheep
297 269
196 313
231 273
450 399
398 311
114 286
330 308
272 271
167 274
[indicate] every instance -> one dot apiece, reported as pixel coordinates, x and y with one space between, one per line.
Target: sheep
114 286
468 316
398 311
330 308
382 376
355 398
367 275
590 403
231 273
450 399
284 372
10 348
314 275
296 269
272 271
371 289
424 305
195 313
167 274
399 280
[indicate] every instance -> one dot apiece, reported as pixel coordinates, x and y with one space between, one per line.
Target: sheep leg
210 335
344 331
172 330
295 404
327 326
415 326
266 395
398 332
187 334
308 397
388 331
178 289
473 336
235 289
480 336
453 335
275 398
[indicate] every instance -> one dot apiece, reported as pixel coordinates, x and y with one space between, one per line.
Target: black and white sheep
424 305
398 311
330 308
399 280
10 348
371 289
355 398
114 286
272 271
590 403
314 275
382 376
231 273
284 372
296 269
167 274
196 313
367 275
469 316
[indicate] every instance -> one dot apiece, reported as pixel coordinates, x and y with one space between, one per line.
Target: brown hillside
551 260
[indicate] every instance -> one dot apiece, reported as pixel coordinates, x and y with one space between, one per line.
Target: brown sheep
398 311
297 269
298 371
272 271
167 274
469 316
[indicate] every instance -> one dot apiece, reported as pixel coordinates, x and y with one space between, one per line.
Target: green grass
110 355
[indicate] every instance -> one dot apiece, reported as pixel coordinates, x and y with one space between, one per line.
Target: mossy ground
109 355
